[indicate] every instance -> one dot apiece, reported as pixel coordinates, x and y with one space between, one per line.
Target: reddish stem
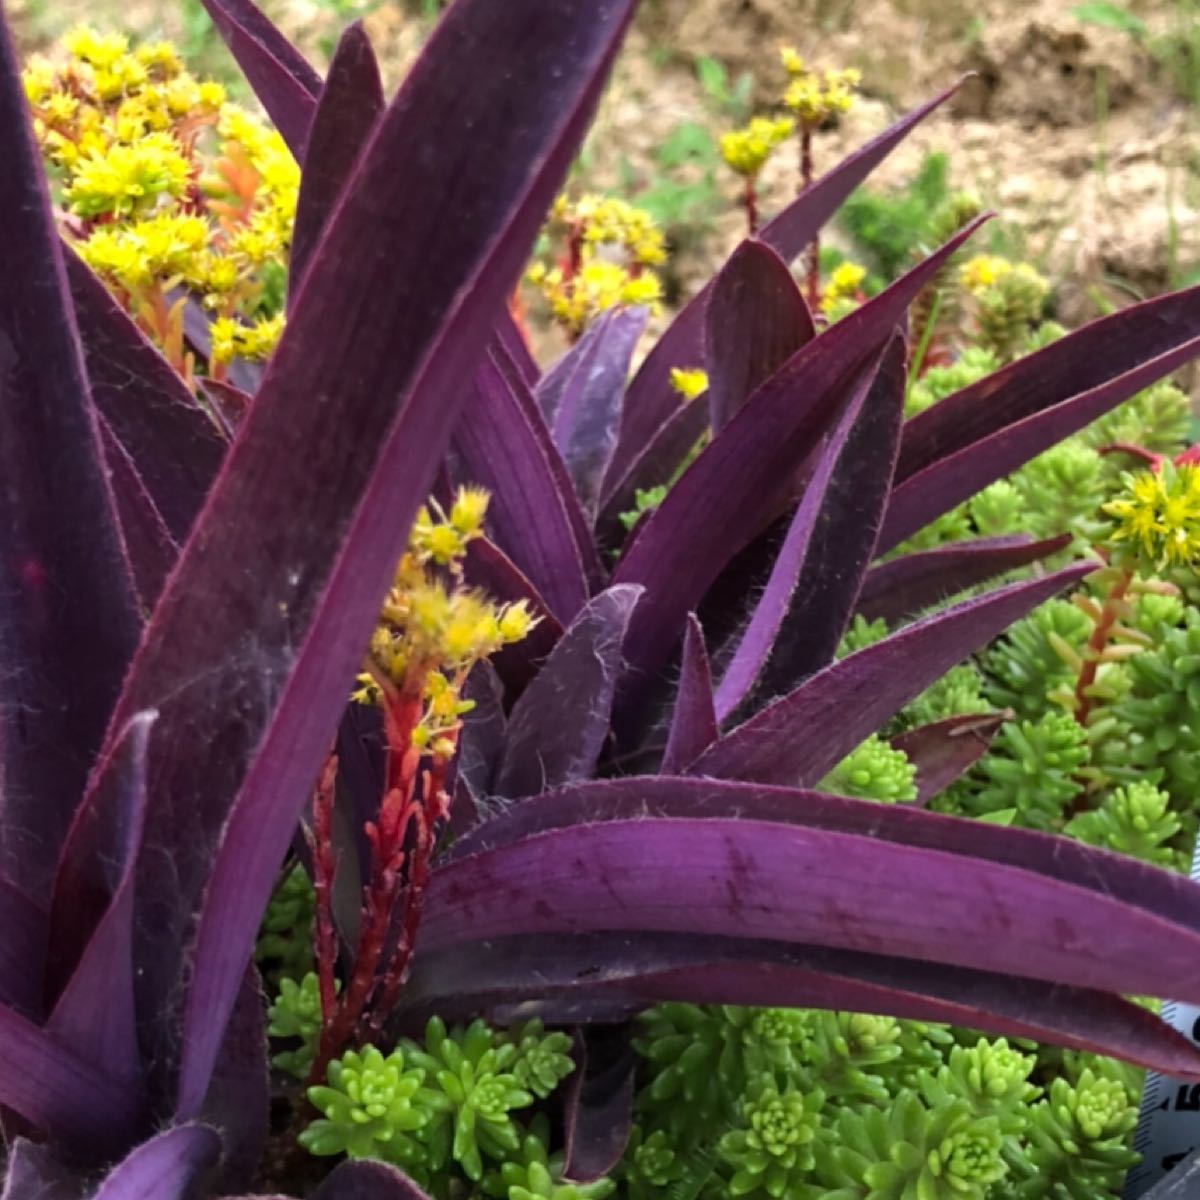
1109 613
324 863
813 273
750 204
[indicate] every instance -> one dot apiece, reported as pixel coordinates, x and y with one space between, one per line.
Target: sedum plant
617 808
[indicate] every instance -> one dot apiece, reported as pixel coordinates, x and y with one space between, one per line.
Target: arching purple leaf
694 718
302 530
598 1104
165 1168
809 599
943 750
908 585
367 1181
281 77
516 349
755 320
499 448
801 736
651 400
351 103
607 976
65 590
745 476
559 725
584 419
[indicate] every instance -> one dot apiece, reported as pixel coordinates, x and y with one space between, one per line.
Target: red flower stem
324 864
813 277
750 204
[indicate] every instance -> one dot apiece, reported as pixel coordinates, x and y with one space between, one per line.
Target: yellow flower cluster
1009 299
433 629
815 96
231 339
612 248
1158 515
689 383
163 183
746 150
842 291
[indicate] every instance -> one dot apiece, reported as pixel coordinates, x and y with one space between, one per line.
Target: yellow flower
843 286
1158 516
746 150
815 96
983 271
689 383
233 339
129 179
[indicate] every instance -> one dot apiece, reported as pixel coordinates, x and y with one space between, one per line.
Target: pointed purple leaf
598 1104
61 1093
954 477
302 530
229 404
809 599
651 400
67 594
351 103
34 1174
559 725
744 477
608 976
91 957
528 517
511 338
943 750
165 1168
22 950
584 421
174 445
755 320
367 1181
281 77
905 586
737 876
801 736
694 718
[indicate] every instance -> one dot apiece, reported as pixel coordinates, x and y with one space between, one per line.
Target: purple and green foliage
183 612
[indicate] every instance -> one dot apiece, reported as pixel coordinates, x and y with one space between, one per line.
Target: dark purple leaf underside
943 750
32 1173
60 1093
1082 361
608 976
480 747
809 599
651 400
744 477
905 586
351 103
90 976
68 620
281 77
165 1168
174 445
694 718
367 1181
497 447
22 950
755 320
924 496
598 1104
801 736
320 495
584 424
558 727
738 877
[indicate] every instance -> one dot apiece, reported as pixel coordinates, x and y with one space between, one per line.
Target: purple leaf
512 341
739 876
164 1168
91 940
943 750
33 1174
609 976
304 526
745 476
68 621
281 77
809 598
584 419
755 320
559 725
22 950
229 404
480 747
694 718
651 400
598 1104
174 445
908 585
367 1181
801 736
351 103
60 1093
499 448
